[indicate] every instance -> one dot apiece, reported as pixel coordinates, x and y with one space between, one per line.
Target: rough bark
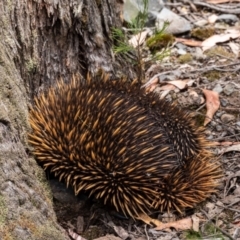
41 41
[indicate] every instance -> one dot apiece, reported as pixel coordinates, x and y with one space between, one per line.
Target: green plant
139 22
121 44
135 28
192 235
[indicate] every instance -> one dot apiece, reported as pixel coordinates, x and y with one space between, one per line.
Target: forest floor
194 68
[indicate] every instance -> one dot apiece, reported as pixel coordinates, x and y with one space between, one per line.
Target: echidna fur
132 150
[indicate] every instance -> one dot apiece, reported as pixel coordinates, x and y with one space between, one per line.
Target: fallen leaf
74 235
195 97
190 83
171 85
152 82
189 42
234 47
224 143
211 41
195 223
145 218
182 224
213 18
237 223
167 87
181 84
232 148
139 38
212 104
151 87
164 94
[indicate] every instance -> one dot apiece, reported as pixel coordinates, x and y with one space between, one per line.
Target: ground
216 69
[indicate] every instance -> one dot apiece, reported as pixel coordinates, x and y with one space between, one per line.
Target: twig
227 207
145 229
224 138
203 70
224 8
203 105
237 174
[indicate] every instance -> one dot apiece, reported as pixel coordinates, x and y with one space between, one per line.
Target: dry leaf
138 39
210 42
168 87
181 84
237 223
190 83
164 94
145 218
195 223
189 42
151 87
213 18
182 224
195 97
232 148
224 143
74 235
151 83
234 47
212 104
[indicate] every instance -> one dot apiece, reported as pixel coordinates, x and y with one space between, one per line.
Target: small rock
210 137
154 5
228 18
176 25
224 102
219 128
213 124
220 113
199 54
181 52
218 88
224 134
164 77
229 88
181 46
205 80
131 9
226 118
238 123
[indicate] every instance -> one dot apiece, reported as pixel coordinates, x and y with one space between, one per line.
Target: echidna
134 151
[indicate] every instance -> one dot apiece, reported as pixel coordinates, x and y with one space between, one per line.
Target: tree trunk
41 41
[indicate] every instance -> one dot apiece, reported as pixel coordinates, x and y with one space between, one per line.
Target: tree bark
41 41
